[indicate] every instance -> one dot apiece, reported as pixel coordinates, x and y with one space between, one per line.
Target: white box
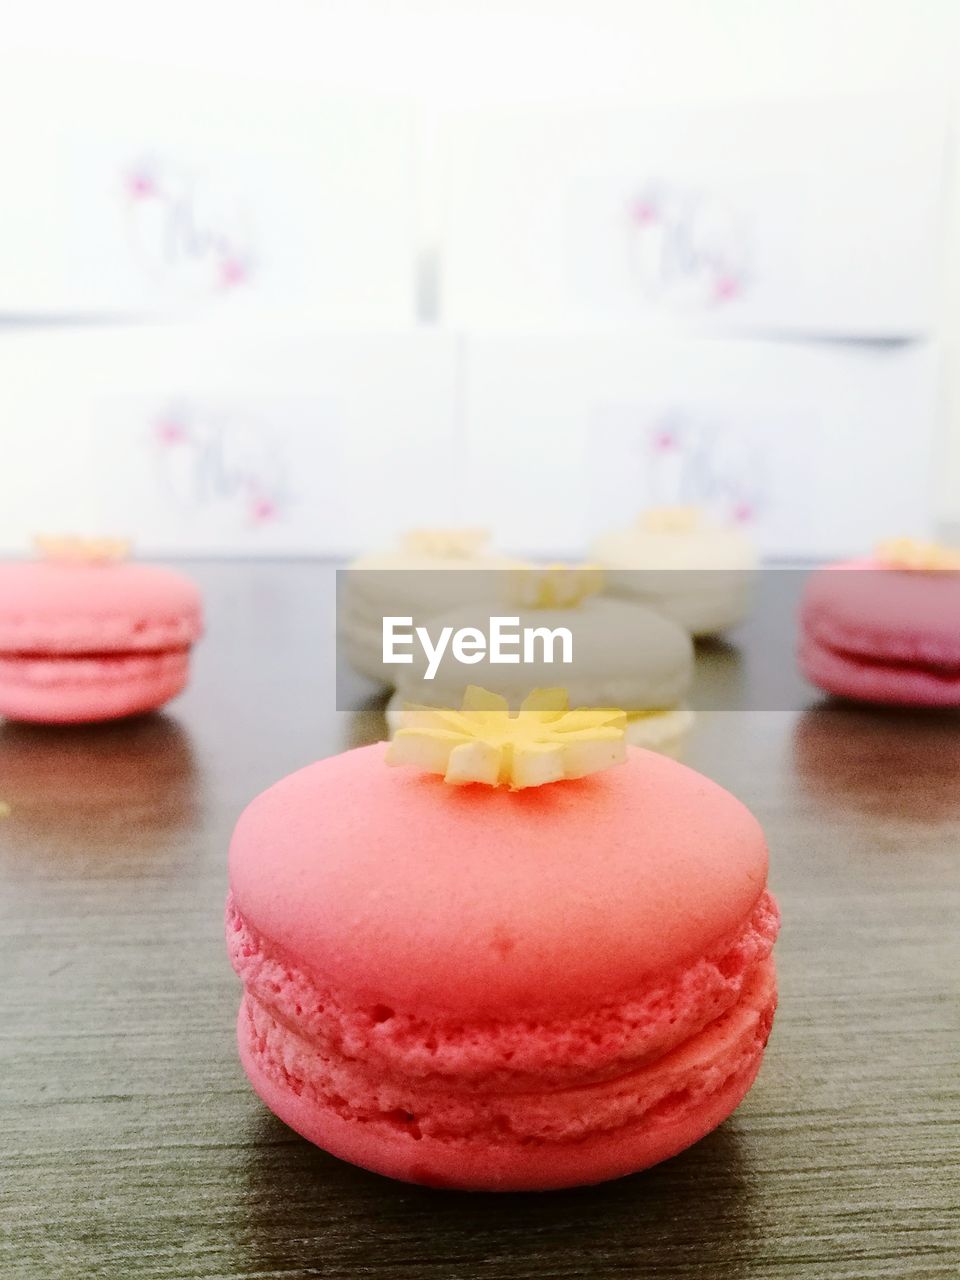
154 191
201 439
818 217
818 449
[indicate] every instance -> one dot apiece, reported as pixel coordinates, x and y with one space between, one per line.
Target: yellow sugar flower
914 553
446 544
482 742
671 519
554 586
80 550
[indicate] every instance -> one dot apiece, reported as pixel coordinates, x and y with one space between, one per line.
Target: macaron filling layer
84 670
884 642
607 1040
947 670
680 1081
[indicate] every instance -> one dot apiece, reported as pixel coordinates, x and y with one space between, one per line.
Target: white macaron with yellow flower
678 561
429 570
621 654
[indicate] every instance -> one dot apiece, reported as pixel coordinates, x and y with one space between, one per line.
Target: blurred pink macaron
887 629
86 638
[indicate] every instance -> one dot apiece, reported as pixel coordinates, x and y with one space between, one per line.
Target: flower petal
589 718
426 749
543 743
547 702
477 699
592 755
537 763
475 761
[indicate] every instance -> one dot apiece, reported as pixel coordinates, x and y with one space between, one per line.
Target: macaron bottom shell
868 678
704 603
83 689
668 1105
360 643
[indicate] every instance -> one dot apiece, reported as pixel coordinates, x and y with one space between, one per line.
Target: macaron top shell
55 607
398 887
403 581
874 610
420 562
699 548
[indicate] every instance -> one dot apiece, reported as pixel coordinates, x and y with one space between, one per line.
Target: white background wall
454 53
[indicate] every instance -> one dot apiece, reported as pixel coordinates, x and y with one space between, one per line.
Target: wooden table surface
133 1147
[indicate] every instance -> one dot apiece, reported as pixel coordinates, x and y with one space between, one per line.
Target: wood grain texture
133 1147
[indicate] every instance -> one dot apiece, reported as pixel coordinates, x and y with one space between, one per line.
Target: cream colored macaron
622 655
429 571
680 563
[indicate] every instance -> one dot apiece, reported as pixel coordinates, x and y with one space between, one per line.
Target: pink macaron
482 988
86 640
883 632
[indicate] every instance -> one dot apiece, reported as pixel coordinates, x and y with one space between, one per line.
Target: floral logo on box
686 246
695 459
187 227
675 455
209 455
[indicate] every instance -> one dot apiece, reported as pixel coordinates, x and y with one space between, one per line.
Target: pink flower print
263 510
644 213
744 513
665 441
169 432
726 288
141 186
233 272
